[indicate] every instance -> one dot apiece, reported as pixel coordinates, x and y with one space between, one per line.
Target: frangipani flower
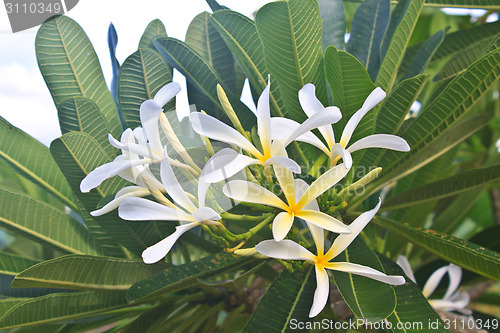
453 300
312 107
184 210
289 250
214 129
298 197
140 147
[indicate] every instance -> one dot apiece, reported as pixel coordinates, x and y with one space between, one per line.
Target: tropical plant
128 222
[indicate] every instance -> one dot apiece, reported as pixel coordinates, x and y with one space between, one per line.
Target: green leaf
397 15
349 84
142 74
43 223
399 41
368 299
82 114
424 55
291 35
458 251
77 153
333 17
240 35
183 276
413 312
62 306
70 67
11 264
86 273
482 4
154 28
8 303
289 297
453 185
32 159
199 72
368 26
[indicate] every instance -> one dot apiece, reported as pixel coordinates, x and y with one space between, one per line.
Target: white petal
405 265
460 299
323 220
214 129
149 112
281 225
173 187
321 293
318 235
285 249
375 97
138 209
225 164
433 281
287 183
337 150
205 213
315 121
241 190
108 170
126 192
281 128
264 119
343 241
285 162
366 271
158 251
166 93
455 275
323 183
386 141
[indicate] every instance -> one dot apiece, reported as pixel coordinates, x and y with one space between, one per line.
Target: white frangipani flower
289 250
283 129
184 210
214 129
453 300
140 147
301 201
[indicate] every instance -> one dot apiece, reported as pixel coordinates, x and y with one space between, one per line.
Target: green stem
243 217
258 207
247 235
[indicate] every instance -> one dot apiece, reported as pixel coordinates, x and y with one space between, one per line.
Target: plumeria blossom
289 250
283 129
453 300
214 129
298 202
140 147
184 210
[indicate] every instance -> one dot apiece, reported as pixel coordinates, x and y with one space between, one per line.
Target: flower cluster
153 159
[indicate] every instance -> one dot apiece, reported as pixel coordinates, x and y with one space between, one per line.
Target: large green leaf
453 185
424 55
32 159
413 312
11 264
400 39
289 297
8 303
483 4
70 67
77 153
154 28
458 251
142 74
291 35
41 222
82 114
349 84
368 26
334 27
240 35
62 306
184 276
368 299
86 273
199 72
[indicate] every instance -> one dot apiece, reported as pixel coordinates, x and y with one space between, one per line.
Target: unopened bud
228 109
250 252
362 182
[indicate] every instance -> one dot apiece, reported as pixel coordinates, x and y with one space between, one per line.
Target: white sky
24 98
